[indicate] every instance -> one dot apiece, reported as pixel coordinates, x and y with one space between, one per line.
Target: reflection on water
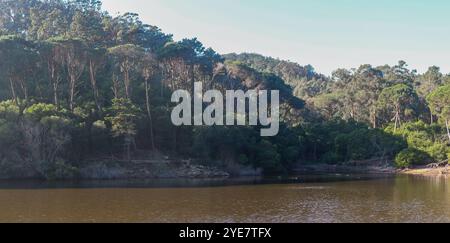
184 183
331 198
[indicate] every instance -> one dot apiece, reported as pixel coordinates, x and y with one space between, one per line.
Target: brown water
340 199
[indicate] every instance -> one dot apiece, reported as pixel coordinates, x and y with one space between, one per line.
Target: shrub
331 158
267 158
58 170
410 157
439 152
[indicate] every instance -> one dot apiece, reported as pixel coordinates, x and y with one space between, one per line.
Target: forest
78 84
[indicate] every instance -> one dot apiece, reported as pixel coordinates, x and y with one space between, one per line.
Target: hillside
78 84
303 79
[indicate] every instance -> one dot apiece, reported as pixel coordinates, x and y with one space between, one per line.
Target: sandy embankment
427 171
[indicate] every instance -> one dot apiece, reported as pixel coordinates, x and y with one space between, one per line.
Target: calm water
331 198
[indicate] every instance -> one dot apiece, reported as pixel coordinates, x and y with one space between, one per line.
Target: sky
328 34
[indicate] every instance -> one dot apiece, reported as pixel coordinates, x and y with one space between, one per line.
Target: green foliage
425 138
76 83
439 101
58 170
9 110
439 152
244 146
40 134
39 111
267 157
122 116
338 141
10 138
304 80
401 101
410 157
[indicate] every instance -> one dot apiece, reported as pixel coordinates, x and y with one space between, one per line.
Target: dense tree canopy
77 83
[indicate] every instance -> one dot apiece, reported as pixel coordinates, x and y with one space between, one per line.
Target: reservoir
332 198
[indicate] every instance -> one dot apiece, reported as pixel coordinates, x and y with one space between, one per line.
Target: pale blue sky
327 34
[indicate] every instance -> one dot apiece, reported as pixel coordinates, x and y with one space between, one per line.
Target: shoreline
429 172
109 170
385 169
326 168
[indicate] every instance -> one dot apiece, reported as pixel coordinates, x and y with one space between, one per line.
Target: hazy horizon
327 34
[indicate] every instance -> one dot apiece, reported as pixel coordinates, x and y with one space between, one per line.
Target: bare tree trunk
397 118
13 90
374 119
92 74
175 139
128 140
447 124
128 150
315 151
192 74
147 102
74 76
126 78
127 84
72 92
24 88
54 79
115 86
75 68
397 121
55 93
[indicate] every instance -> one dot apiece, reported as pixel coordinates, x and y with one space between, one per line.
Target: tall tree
52 57
122 116
149 67
439 101
49 22
401 101
74 53
96 60
429 81
126 58
87 25
18 62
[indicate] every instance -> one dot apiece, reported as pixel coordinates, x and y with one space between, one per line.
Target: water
323 198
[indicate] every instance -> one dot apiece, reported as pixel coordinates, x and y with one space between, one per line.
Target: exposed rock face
149 170
199 171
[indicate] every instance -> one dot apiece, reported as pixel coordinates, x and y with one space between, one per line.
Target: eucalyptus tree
188 61
129 28
306 82
369 84
123 116
446 79
86 5
342 81
399 74
401 101
19 59
87 25
74 57
96 61
149 68
49 21
52 58
15 16
439 102
125 60
329 105
174 66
